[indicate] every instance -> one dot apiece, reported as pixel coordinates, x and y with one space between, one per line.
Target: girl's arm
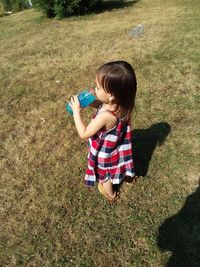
94 126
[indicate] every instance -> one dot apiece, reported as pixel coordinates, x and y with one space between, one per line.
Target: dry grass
48 216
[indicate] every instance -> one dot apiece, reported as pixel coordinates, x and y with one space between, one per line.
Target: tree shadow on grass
114 4
180 234
144 142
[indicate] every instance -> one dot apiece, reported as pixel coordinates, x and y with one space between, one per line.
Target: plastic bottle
85 98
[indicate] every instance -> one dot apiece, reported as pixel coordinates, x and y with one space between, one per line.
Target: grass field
48 217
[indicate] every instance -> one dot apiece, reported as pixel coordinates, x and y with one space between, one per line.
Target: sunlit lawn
48 216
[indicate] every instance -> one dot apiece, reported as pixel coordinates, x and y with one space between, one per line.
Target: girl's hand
75 104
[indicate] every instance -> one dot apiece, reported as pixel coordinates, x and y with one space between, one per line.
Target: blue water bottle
85 98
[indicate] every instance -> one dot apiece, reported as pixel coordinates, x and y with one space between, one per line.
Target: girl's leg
108 186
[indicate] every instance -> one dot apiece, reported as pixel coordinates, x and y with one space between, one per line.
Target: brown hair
118 78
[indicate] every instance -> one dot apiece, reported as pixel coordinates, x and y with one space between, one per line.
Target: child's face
101 94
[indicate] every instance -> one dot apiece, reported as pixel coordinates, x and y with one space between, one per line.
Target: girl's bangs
102 78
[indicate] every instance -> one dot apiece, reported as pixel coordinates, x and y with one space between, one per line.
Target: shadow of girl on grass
144 142
180 234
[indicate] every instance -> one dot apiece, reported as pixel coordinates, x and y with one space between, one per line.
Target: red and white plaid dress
110 154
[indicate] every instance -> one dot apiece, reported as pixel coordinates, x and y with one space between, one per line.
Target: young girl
109 132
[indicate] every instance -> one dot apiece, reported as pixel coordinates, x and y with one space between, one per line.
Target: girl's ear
111 98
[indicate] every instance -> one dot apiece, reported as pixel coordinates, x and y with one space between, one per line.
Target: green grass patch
49 218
